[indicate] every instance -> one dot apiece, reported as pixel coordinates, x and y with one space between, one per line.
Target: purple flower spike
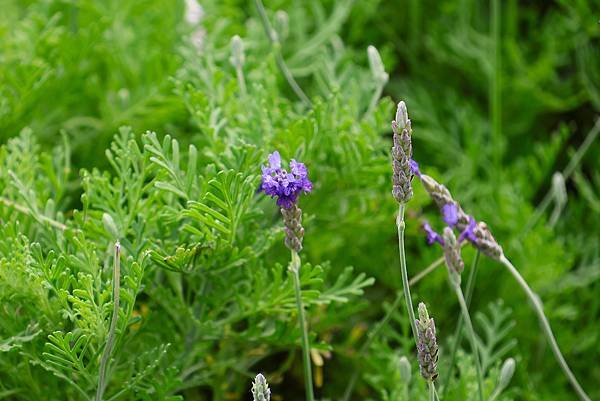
469 231
286 187
432 236
414 167
450 214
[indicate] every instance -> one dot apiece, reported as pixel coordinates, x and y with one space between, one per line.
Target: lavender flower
277 182
469 231
486 243
450 214
477 233
427 348
414 167
260 389
432 236
401 155
442 197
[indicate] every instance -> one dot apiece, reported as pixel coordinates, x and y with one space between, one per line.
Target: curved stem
459 326
472 339
546 329
308 383
405 285
113 324
29 212
375 99
272 35
567 172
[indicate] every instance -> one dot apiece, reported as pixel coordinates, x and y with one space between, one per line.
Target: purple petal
275 160
450 214
286 187
298 169
469 231
414 167
432 236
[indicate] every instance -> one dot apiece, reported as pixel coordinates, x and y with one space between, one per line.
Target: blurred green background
501 94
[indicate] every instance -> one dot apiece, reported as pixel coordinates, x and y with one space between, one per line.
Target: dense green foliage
122 120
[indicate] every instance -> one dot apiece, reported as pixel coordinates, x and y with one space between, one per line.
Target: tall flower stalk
287 187
402 192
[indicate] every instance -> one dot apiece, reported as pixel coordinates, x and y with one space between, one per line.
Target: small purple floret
277 182
414 167
469 231
450 214
432 236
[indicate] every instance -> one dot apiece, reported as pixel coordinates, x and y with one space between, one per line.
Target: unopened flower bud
260 389
405 369
506 373
237 58
377 68
402 156
427 348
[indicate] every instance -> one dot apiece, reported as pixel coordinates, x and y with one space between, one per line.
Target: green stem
375 99
547 330
459 326
405 285
241 81
567 172
113 324
272 35
470 334
25 210
308 382
431 391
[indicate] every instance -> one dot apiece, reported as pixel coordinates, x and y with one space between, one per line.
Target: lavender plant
481 237
287 187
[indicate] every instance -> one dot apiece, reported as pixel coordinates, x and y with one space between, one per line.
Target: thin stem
375 98
241 81
459 326
405 285
272 35
567 172
546 329
431 391
497 391
29 212
472 339
308 382
113 324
